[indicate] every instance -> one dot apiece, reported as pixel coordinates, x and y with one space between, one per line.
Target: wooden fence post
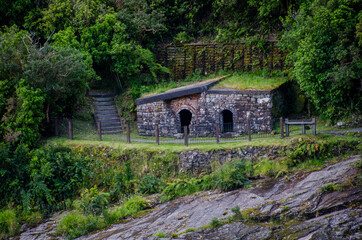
314 126
286 127
99 127
186 136
157 135
249 129
70 125
217 133
281 128
128 133
56 127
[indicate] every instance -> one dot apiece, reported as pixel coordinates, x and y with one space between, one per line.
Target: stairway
106 113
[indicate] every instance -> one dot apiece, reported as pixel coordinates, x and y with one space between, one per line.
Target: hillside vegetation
52 52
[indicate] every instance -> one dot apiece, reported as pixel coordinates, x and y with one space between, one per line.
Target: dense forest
53 51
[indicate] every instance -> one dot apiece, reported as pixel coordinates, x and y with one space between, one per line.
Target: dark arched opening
185 119
227 121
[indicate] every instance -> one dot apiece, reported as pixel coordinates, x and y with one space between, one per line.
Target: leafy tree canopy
322 39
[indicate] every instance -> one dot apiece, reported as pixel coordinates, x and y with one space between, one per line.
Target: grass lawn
113 141
252 81
262 80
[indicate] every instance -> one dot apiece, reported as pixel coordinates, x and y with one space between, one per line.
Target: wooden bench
302 123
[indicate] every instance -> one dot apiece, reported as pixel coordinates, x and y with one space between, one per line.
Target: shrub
8 224
76 224
132 206
150 184
181 187
330 188
231 176
215 222
92 201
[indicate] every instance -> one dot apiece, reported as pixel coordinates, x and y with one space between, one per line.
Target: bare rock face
290 208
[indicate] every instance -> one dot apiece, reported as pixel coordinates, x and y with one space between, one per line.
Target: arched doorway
185 119
227 121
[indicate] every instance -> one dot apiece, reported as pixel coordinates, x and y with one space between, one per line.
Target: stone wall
206 109
196 161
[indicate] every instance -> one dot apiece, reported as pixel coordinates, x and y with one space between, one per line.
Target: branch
45 44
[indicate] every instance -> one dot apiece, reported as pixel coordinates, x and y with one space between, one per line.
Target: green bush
132 206
330 188
9 225
181 187
215 222
76 224
92 201
150 184
231 176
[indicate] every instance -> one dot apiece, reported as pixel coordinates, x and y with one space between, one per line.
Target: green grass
113 141
166 86
9 225
260 80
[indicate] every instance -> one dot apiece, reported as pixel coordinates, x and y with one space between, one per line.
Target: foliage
324 52
76 224
270 167
160 234
92 201
215 222
23 119
130 207
61 74
13 171
230 176
329 188
35 80
150 184
307 149
13 56
9 225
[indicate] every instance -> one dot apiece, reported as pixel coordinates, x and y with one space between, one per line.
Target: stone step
118 128
107 117
110 124
104 108
103 99
100 94
107 112
99 104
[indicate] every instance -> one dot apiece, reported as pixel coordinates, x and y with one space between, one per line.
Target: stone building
201 107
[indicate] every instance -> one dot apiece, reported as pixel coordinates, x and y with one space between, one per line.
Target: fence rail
225 132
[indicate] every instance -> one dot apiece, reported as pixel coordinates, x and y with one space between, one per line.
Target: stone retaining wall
195 161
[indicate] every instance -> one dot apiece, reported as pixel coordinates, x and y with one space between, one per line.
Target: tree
325 56
62 75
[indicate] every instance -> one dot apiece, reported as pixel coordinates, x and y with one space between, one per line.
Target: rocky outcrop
296 207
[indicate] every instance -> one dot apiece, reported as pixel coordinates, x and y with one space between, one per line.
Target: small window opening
227 120
185 118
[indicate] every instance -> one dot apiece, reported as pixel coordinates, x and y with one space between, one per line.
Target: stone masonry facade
206 109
